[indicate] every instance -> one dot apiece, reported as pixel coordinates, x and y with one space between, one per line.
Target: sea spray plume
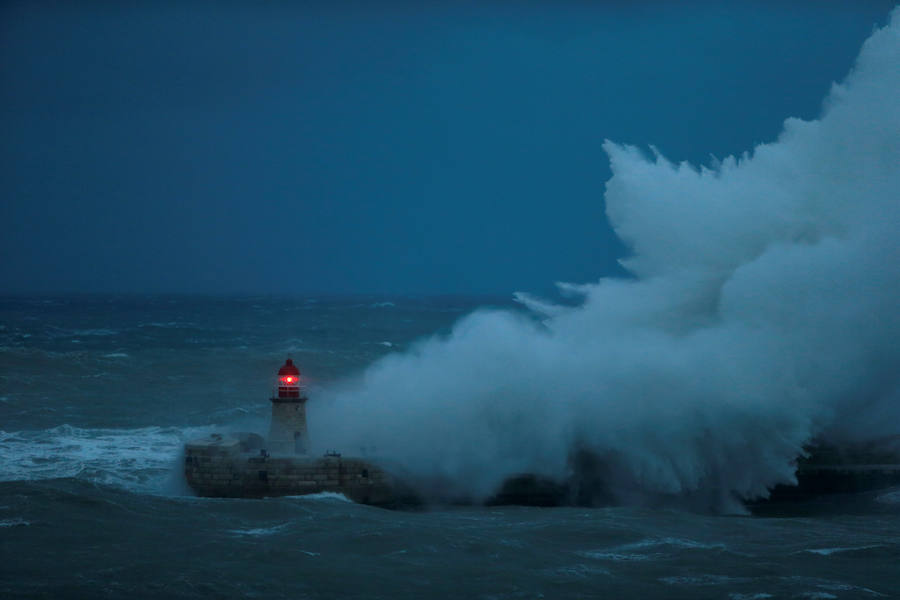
763 313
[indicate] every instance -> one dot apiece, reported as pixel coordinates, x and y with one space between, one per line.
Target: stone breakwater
235 466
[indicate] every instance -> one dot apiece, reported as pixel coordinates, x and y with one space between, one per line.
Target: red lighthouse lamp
288 380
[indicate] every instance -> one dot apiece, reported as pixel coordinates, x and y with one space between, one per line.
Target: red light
288 379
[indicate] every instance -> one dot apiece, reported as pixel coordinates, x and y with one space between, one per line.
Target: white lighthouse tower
287 433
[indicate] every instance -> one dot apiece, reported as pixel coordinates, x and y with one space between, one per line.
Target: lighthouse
243 465
287 433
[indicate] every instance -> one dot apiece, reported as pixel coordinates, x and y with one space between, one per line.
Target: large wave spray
763 313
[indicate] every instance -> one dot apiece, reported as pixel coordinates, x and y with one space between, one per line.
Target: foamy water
136 459
93 469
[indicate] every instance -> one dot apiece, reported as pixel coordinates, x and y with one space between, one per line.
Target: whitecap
95 332
835 586
830 551
676 542
892 497
846 587
701 580
168 325
578 571
329 496
135 459
632 551
618 556
258 531
14 523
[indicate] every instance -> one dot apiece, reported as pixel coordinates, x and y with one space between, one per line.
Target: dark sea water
98 395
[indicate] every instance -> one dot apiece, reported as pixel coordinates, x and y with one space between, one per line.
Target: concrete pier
225 466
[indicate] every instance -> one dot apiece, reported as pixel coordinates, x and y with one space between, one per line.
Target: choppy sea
99 393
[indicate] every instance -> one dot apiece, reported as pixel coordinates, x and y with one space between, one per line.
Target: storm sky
348 148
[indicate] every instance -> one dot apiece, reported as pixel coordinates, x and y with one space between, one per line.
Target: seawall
224 466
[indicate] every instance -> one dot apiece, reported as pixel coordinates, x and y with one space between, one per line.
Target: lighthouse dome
288 368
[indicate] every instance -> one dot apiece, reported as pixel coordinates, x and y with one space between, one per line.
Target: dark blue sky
331 147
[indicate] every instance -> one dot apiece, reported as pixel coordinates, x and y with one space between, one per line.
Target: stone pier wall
221 468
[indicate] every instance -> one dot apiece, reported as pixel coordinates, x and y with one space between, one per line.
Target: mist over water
763 314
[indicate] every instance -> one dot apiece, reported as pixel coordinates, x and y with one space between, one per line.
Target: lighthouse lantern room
288 380
287 432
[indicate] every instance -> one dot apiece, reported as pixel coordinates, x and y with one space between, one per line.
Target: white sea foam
763 313
578 571
258 531
892 497
702 580
327 496
846 587
61 332
830 551
619 556
94 332
14 523
673 542
635 551
296 345
169 324
136 459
